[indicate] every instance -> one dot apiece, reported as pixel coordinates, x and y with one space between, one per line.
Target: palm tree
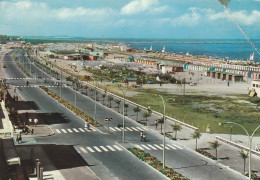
146 115
176 127
126 106
118 101
244 156
161 121
110 98
214 145
196 135
137 110
103 96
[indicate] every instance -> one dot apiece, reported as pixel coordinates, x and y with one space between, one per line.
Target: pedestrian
15 89
32 131
228 83
156 123
27 83
141 135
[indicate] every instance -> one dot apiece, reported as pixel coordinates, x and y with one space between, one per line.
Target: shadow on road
52 157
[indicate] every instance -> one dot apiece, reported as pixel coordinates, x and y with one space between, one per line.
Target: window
253 85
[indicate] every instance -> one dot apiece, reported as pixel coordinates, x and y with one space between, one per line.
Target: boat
151 48
145 48
252 57
163 50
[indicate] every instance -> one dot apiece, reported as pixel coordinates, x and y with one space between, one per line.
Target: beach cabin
255 88
131 82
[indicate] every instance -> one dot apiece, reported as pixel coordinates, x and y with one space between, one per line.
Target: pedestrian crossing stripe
157 146
113 148
104 148
73 130
35 86
128 129
16 78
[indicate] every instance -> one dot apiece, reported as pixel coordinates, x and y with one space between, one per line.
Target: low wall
236 145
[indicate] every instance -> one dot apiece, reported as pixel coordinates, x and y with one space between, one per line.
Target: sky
171 19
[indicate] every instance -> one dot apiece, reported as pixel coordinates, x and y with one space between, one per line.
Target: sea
231 49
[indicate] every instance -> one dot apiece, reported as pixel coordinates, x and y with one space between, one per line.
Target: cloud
31 11
138 6
243 17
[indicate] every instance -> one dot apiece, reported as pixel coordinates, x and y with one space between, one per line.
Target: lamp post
164 110
250 139
124 93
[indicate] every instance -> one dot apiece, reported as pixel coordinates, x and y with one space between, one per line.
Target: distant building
255 88
131 81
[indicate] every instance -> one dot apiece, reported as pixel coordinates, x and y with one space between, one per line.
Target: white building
255 88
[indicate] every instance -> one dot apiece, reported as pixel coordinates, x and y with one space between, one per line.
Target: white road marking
171 146
81 129
98 150
134 129
165 147
63 130
129 129
118 148
112 149
74 129
93 129
102 147
117 129
70 131
146 147
139 129
151 146
177 146
139 147
83 150
58 131
158 146
110 128
91 150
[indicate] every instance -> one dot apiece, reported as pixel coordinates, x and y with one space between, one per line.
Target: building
131 81
255 88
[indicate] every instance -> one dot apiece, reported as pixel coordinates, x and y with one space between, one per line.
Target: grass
203 110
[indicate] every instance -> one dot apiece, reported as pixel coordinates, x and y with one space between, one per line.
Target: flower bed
71 107
207 154
22 69
155 163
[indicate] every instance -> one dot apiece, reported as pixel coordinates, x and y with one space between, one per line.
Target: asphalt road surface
101 148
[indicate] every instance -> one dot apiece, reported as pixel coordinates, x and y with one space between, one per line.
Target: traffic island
155 163
71 107
207 154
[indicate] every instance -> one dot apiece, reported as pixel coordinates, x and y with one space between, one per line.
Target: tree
214 145
137 110
146 115
118 101
103 96
196 135
126 106
244 156
176 127
161 121
110 98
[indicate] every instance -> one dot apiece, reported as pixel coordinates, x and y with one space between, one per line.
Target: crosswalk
157 146
130 129
36 86
115 148
98 149
74 130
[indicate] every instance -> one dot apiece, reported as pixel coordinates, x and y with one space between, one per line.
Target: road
103 149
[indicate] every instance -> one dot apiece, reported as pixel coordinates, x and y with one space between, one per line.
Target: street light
250 139
124 93
164 109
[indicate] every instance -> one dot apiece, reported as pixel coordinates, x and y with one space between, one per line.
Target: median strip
71 107
155 163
